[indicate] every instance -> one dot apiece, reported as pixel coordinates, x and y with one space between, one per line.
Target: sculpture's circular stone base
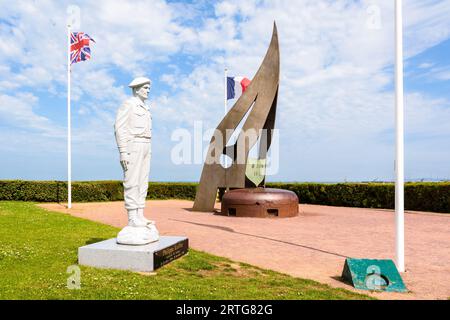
260 203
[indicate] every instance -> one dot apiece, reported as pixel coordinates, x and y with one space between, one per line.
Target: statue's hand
124 160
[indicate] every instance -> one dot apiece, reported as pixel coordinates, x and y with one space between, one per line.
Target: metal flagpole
69 148
399 145
225 113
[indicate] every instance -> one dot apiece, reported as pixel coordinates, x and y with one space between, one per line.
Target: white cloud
432 72
335 71
426 65
17 110
426 24
443 75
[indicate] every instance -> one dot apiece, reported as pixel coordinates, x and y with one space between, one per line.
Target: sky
336 111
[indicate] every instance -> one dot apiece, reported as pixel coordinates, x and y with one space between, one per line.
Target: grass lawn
37 247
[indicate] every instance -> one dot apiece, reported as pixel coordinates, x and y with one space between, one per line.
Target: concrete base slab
109 254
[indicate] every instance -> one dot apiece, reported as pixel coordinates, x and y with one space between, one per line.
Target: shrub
424 196
56 191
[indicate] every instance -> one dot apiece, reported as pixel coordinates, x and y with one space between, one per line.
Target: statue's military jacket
133 121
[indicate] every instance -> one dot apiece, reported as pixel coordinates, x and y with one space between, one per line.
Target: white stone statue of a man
133 131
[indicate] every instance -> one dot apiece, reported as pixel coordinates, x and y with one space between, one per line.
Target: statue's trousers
135 181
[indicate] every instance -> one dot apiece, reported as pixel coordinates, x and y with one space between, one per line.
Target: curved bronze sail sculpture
262 94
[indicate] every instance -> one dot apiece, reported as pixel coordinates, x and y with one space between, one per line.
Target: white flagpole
69 147
399 157
225 112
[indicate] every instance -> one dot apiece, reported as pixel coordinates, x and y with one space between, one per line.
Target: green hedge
425 196
56 191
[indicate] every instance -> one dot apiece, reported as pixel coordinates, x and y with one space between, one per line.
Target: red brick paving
313 245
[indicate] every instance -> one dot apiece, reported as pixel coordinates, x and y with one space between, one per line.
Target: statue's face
143 91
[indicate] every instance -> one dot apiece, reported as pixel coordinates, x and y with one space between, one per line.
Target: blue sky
336 104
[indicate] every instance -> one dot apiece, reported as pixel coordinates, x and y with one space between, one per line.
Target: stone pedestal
109 254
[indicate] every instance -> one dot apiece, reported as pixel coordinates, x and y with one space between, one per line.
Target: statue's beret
139 81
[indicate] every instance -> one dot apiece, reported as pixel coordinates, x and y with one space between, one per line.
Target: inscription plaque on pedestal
166 255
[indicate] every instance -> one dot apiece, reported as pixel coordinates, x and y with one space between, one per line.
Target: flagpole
225 113
69 147
399 150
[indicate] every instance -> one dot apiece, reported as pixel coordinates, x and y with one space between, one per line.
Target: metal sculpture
261 98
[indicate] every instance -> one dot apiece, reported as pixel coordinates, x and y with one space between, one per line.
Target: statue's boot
137 232
141 217
134 220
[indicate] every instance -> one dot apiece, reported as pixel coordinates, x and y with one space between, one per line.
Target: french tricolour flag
236 84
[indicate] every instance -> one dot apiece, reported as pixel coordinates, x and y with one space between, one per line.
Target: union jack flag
79 47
